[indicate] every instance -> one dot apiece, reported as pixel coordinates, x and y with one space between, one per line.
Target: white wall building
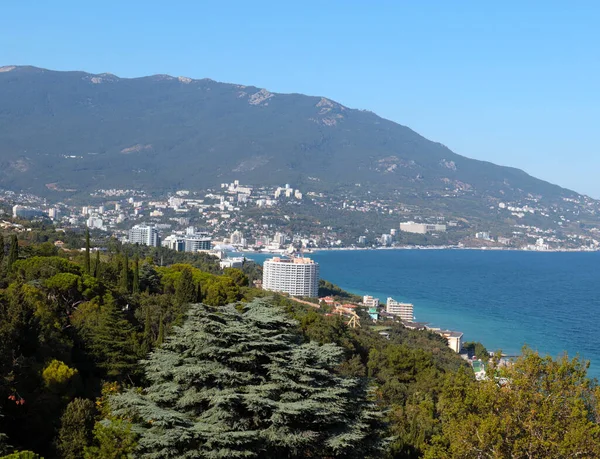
144 235
95 222
295 276
403 310
454 338
421 228
370 302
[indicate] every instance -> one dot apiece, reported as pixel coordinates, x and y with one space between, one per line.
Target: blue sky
516 83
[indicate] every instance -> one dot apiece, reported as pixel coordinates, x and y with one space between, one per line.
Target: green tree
161 331
477 349
97 265
22 455
124 278
13 253
136 274
87 261
147 338
185 289
109 337
76 427
237 382
537 407
237 275
1 249
114 440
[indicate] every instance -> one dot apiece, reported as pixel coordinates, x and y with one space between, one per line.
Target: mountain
81 131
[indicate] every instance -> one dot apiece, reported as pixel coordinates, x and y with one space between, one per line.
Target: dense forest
118 351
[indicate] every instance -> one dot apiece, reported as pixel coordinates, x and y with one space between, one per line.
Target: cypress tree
161 331
110 341
185 289
136 274
13 253
124 279
87 264
147 344
97 265
239 382
1 249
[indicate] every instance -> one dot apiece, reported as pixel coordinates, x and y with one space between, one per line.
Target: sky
516 83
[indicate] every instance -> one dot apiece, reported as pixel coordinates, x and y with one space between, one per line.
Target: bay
504 299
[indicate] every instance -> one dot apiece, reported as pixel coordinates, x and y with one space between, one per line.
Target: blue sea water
505 299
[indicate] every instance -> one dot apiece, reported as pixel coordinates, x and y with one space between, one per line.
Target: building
144 235
235 262
174 242
27 212
403 310
421 228
53 213
295 276
374 314
454 338
195 241
236 238
94 222
279 239
370 302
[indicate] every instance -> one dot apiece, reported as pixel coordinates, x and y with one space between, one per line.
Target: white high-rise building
370 302
144 235
404 310
236 238
95 222
195 241
279 239
295 276
53 213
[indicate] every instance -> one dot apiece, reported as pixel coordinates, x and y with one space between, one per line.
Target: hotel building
402 310
144 235
295 276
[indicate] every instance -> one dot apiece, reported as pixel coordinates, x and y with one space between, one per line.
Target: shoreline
508 348
420 247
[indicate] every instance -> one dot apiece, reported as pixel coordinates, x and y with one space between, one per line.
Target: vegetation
239 382
476 349
93 366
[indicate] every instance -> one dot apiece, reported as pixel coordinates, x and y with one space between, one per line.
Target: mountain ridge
254 134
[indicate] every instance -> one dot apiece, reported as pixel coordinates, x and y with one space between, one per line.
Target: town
276 219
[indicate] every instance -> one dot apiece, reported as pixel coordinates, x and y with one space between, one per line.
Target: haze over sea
505 299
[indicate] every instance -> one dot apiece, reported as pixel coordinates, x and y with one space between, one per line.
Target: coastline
420 247
491 301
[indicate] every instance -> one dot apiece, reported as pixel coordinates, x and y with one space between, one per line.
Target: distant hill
79 131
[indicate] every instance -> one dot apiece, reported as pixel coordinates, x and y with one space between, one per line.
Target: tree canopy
238 382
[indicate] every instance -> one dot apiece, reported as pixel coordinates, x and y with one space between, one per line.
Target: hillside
74 130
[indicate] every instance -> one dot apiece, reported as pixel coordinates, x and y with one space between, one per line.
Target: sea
549 301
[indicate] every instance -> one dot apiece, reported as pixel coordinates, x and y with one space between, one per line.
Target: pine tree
87 264
185 289
13 254
239 383
124 279
136 274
